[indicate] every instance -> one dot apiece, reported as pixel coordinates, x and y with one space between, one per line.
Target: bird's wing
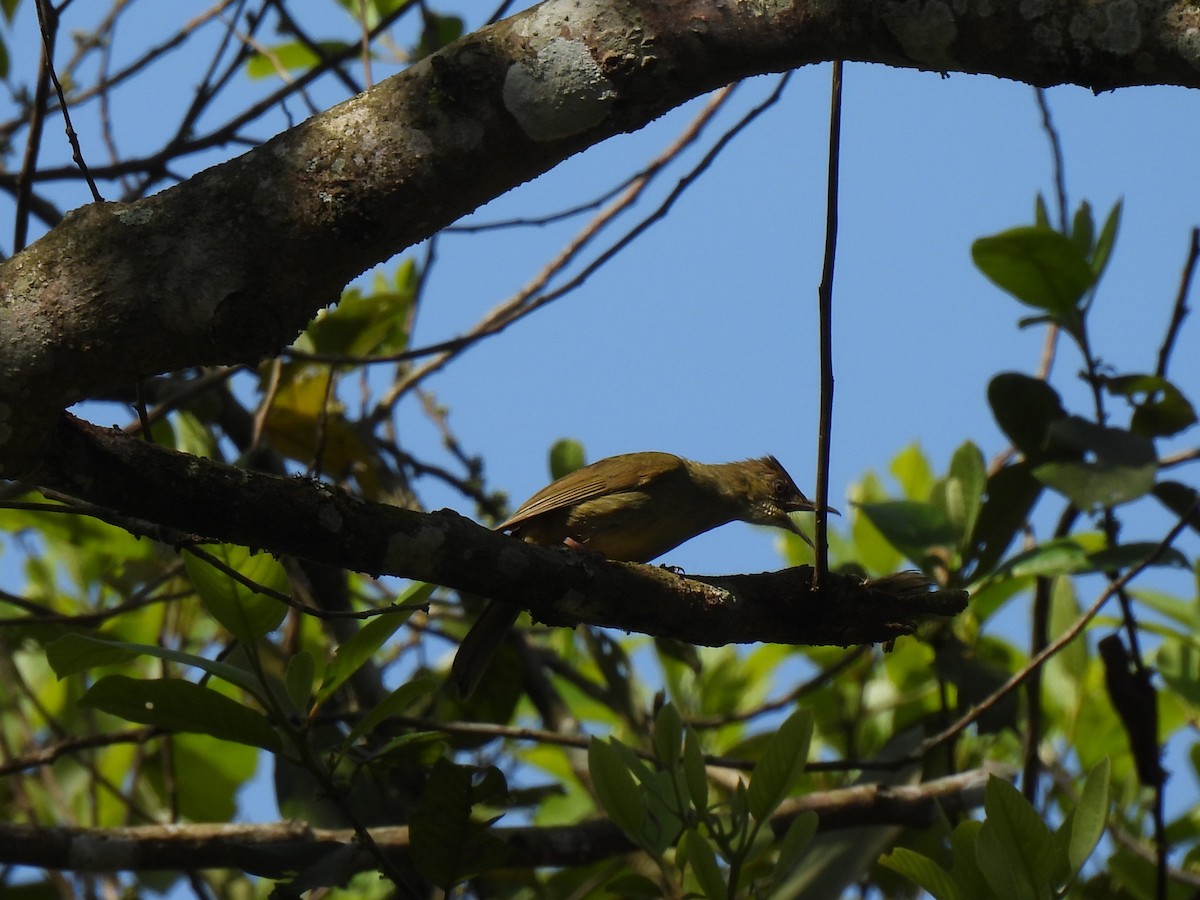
593 481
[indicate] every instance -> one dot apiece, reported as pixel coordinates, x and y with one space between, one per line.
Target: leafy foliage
152 681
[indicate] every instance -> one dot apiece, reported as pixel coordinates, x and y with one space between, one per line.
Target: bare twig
825 314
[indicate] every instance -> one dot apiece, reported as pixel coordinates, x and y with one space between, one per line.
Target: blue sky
700 339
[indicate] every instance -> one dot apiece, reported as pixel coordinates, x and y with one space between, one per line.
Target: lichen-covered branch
230 265
296 517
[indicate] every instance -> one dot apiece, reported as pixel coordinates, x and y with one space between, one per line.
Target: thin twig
1180 310
1060 178
825 313
1055 646
48 21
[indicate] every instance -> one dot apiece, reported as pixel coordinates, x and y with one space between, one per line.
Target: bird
633 507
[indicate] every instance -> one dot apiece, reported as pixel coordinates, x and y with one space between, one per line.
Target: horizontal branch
283 849
230 265
314 521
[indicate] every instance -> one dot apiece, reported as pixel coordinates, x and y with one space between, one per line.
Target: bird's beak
796 529
807 505
791 525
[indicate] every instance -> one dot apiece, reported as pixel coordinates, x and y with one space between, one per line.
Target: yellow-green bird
634 507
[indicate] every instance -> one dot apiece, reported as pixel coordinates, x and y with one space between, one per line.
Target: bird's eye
779 488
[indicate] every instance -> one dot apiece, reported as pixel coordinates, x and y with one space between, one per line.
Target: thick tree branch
230 265
281 850
317 522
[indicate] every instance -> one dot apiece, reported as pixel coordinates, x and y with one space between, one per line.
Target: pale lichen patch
1122 33
133 215
559 92
925 29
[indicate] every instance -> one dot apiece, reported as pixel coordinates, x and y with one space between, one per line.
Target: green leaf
668 735
1124 555
924 873
1041 215
1091 815
1108 237
566 456
1160 409
298 679
1181 500
615 787
910 467
447 846
1025 408
73 653
694 771
393 704
1083 229
1039 267
704 865
960 494
288 57
1061 556
349 656
911 527
368 322
181 706
246 614
1015 849
781 765
1066 671
438 31
795 842
976 677
1011 493
1122 465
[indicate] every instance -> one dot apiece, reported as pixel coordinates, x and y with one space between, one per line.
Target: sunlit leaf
245 613
615 787
781 765
1039 267
566 456
912 470
1090 818
1015 848
913 528
924 873
280 59
350 655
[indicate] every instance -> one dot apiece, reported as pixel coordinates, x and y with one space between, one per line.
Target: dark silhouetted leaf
181 706
1024 408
